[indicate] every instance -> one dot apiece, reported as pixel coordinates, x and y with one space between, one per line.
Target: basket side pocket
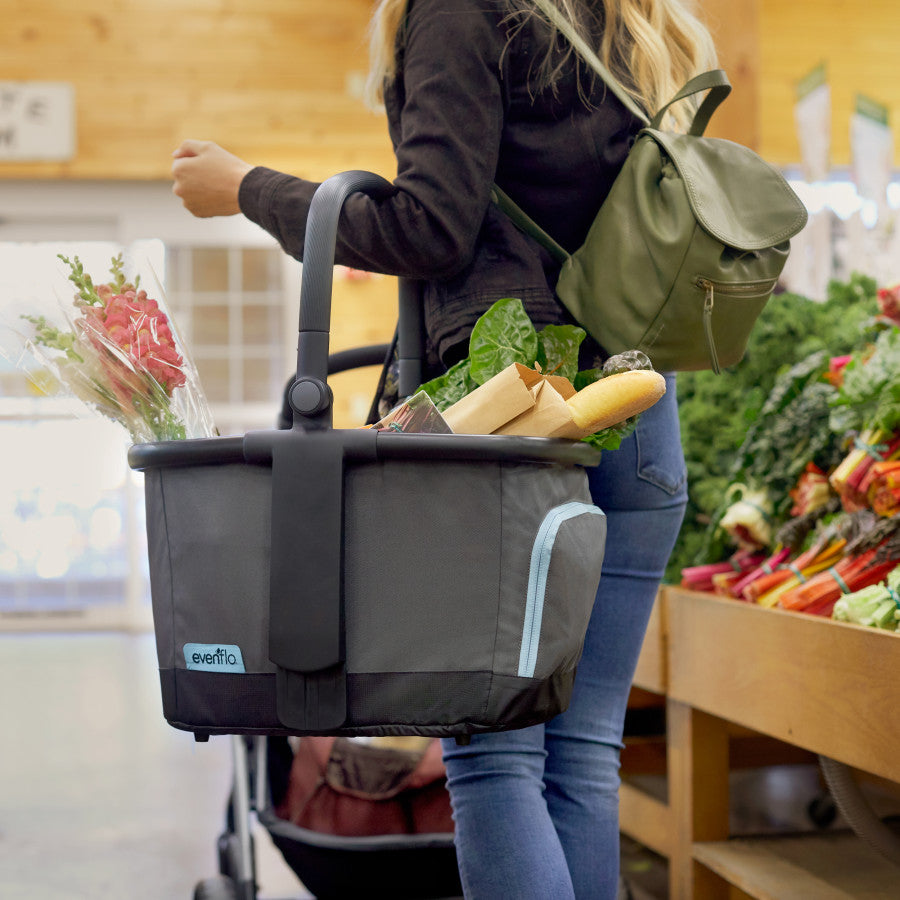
553 542
218 525
564 558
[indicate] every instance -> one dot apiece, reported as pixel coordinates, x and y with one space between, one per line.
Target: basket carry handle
309 396
306 619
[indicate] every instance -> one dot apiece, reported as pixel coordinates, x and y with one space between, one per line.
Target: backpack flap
736 196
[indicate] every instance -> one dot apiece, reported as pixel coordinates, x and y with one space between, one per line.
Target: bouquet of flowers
119 354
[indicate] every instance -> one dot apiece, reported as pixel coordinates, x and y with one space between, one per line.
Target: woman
478 91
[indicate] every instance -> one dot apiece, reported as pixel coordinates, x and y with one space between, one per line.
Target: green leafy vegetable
797 434
586 377
505 335
869 396
558 350
502 336
611 438
451 386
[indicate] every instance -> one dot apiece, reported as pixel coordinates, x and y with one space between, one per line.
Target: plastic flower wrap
115 348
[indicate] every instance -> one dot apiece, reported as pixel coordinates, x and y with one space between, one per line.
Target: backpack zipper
734 289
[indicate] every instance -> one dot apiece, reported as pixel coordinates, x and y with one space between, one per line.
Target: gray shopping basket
313 580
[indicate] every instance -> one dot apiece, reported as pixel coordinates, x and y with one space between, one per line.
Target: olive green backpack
688 245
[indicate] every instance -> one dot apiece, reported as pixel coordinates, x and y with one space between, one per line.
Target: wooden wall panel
735 26
859 42
269 78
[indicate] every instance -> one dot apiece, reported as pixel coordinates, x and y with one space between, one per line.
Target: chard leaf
612 437
451 386
870 386
502 336
887 410
586 377
558 349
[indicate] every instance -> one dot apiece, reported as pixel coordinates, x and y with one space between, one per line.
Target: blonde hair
652 47
384 29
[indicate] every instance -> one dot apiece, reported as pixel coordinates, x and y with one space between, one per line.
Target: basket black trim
433 704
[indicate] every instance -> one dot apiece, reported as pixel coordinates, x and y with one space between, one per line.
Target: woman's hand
207 178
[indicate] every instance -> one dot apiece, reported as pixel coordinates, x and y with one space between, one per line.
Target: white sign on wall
37 121
812 113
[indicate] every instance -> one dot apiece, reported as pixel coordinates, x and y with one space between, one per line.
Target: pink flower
121 355
836 365
889 303
165 366
133 322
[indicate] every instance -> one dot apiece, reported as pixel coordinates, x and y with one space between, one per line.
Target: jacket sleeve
447 147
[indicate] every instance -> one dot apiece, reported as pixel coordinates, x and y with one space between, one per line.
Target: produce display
810 518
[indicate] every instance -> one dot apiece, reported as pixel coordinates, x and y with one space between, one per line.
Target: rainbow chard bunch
866 407
774 476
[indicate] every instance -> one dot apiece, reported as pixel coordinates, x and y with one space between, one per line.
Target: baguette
613 399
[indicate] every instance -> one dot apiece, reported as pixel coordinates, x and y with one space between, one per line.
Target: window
229 304
72 534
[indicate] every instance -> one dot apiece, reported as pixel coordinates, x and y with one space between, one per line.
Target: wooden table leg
698 797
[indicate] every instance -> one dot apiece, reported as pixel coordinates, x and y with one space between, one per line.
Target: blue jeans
536 810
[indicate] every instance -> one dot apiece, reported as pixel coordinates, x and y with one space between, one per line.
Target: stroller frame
420 866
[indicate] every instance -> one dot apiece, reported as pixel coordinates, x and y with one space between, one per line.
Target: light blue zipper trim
541 554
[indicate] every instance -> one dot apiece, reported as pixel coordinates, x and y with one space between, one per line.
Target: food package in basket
523 401
418 414
518 380
113 345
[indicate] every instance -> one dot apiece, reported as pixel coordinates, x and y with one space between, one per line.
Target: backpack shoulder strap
525 223
716 81
719 87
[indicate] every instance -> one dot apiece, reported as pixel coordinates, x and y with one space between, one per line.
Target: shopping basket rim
255 448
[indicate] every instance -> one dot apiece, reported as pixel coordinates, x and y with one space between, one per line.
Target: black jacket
463 112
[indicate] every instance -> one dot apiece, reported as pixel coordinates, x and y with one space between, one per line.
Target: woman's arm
447 148
208 178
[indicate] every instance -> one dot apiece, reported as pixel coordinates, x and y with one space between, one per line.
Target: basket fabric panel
422 555
436 580
209 536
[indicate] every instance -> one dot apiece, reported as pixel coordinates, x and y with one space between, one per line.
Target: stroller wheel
219 888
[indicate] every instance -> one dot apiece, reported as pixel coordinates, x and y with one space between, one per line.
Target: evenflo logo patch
214 657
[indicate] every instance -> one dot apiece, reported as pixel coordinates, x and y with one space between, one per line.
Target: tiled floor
99 797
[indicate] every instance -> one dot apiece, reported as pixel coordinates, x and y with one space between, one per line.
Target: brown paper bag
517 401
550 416
494 403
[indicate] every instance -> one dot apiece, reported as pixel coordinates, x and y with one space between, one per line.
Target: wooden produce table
729 668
